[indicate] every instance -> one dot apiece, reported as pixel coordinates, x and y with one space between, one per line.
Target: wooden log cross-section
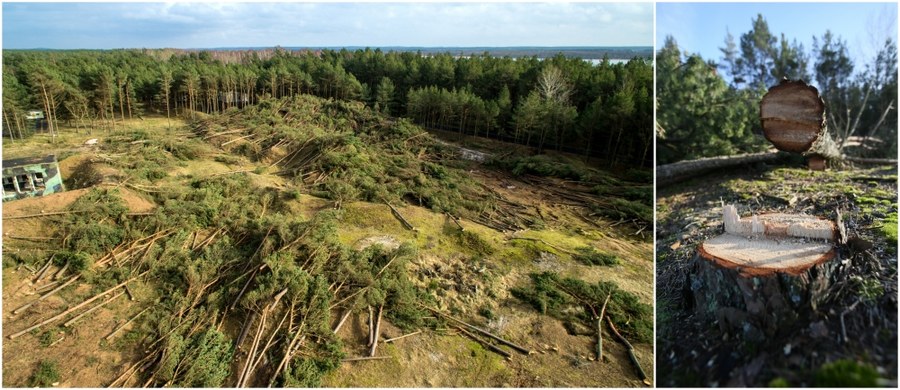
765 271
793 120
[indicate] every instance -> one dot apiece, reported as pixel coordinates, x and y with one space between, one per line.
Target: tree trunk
763 279
671 173
8 126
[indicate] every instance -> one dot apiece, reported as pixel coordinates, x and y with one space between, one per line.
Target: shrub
846 373
590 256
46 374
550 294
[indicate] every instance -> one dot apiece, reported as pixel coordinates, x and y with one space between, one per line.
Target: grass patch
591 256
46 375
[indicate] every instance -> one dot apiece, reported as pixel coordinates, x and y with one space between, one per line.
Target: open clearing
470 275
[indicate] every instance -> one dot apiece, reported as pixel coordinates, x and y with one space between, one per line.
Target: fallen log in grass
521 349
640 370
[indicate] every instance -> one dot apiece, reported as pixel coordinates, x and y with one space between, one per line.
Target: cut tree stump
765 272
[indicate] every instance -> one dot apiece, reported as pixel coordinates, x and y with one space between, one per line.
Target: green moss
889 228
846 373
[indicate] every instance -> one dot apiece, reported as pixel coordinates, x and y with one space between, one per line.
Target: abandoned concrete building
27 177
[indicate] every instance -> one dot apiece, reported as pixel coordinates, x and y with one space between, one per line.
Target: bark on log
391 340
47 295
640 370
485 343
671 173
600 328
515 346
76 307
377 331
71 322
400 217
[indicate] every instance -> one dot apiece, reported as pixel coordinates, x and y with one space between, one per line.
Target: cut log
759 281
793 119
792 116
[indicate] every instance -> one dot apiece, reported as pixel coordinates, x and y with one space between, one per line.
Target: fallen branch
46 214
377 329
341 322
843 326
600 329
637 364
76 307
91 310
484 332
120 327
486 344
358 359
402 337
47 295
400 217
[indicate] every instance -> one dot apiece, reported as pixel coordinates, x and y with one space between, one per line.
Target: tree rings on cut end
792 115
763 256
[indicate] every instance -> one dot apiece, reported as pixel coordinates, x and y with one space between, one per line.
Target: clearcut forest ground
823 350
244 245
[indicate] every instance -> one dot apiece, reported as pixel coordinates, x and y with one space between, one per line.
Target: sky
216 24
702 27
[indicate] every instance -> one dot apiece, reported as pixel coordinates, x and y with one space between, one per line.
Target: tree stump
793 120
765 272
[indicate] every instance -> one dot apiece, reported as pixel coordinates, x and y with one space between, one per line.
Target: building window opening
38 180
8 184
24 182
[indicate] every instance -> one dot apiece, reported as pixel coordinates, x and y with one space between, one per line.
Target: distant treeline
588 52
602 110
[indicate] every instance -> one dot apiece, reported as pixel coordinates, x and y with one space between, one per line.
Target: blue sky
199 25
702 27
